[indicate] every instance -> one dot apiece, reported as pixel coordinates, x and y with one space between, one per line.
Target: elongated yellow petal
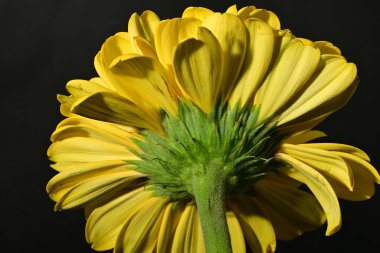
113 108
295 66
144 81
258 230
200 13
168 226
231 34
143 47
198 69
324 161
187 238
139 233
232 9
244 12
360 163
334 78
283 228
304 136
327 48
236 233
170 33
82 149
319 186
143 26
258 57
79 172
96 190
301 209
105 222
340 148
80 88
267 16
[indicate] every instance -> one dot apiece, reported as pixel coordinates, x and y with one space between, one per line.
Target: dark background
45 43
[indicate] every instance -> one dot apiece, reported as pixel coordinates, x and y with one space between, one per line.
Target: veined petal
335 77
324 161
236 233
231 34
360 163
197 64
170 33
82 149
144 81
80 172
200 13
187 238
283 228
319 186
340 148
81 88
304 136
111 107
143 26
267 16
169 224
139 233
105 222
294 68
300 208
327 48
258 57
257 229
96 189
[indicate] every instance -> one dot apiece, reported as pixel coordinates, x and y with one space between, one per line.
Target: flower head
197 136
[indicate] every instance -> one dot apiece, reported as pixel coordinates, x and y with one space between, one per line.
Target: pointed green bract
230 140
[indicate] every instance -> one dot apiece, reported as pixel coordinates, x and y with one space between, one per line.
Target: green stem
209 192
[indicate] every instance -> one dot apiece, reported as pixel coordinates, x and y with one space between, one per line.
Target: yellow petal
170 33
80 172
198 70
232 9
334 78
168 226
283 228
236 233
258 57
319 186
304 136
268 17
244 12
96 190
187 238
231 34
143 47
143 80
113 108
80 88
143 26
294 68
139 233
200 13
258 230
365 166
327 48
105 222
84 127
82 149
66 103
340 148
300 208
326 162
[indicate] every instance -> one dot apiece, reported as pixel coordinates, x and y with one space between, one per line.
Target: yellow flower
197 136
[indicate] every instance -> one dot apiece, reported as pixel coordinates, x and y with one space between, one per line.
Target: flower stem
209 191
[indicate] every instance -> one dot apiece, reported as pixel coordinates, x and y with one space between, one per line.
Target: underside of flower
198 136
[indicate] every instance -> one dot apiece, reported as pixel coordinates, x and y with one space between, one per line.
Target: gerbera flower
196 136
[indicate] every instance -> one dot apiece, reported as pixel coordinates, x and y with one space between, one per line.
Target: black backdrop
45 43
